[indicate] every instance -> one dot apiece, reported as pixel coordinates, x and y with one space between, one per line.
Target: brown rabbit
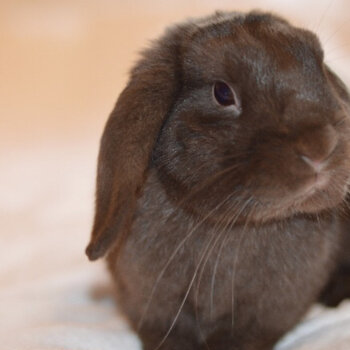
222 174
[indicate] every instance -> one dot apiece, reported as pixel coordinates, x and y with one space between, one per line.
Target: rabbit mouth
320 193
319 182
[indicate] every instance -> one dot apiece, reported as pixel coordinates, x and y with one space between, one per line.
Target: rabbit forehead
250 39
263 26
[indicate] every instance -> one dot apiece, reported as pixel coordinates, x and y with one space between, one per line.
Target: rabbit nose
317 154
317 165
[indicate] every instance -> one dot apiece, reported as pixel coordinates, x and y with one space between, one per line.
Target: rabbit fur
222 224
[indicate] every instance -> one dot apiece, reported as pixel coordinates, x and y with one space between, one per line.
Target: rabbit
221 184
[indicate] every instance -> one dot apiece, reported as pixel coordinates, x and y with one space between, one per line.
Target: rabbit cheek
280 177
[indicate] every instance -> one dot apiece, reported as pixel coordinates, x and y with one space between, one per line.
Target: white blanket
51 297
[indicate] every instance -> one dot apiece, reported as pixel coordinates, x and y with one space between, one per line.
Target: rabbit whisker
235 261
231 222
323 16
174 254
221 234
223 230
192 281
338 28
212 284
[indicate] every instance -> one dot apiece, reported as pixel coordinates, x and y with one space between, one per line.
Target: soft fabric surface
51 297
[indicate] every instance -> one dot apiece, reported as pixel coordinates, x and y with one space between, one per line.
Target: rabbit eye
223 94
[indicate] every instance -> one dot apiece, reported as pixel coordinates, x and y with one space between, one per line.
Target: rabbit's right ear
128 140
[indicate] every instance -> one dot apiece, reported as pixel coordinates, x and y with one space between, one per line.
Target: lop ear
128 140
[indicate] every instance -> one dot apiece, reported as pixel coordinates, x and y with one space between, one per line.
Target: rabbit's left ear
128 141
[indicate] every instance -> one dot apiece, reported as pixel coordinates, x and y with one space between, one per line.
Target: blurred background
62 65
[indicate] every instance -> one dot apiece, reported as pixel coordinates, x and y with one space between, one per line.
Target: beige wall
63 63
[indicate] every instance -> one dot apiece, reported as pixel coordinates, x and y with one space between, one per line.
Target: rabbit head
234 111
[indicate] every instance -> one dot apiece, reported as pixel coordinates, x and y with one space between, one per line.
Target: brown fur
211 235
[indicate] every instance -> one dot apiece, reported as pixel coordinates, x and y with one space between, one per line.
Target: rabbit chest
173 264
